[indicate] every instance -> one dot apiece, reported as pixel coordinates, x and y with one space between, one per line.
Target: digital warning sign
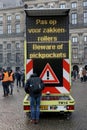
47 50
47 28
47 37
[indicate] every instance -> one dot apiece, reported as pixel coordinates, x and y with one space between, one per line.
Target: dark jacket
18 75
28 89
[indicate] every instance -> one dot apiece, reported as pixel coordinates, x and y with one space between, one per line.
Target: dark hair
33 75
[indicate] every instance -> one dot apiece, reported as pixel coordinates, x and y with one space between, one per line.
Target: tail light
26 107
71 107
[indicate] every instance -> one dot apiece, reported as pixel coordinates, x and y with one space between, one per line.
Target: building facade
12 30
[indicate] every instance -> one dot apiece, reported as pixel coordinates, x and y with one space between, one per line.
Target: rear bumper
62 104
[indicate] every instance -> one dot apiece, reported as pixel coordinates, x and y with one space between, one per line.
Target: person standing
35 97
11 81
75 74
84 74
81 75
18 79
5 82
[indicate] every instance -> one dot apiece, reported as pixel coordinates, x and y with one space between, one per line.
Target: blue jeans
35 107
11 87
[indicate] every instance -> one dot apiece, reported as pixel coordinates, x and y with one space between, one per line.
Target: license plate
61 108
54 107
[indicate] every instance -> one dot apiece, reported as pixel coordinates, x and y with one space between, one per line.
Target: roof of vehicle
46 11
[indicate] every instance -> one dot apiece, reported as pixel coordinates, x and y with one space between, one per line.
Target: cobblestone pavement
12 116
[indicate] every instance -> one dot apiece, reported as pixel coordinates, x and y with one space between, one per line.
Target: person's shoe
36 121
7 95
32 121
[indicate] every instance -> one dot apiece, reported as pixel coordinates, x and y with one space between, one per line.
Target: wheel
68 115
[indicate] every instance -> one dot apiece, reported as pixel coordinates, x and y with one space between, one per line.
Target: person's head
33 75
3 70
10 71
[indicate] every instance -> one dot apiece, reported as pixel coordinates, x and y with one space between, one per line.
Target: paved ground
12 116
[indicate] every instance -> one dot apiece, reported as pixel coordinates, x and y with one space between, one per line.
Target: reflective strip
62 90
66 74
6 78
11 77
29 68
